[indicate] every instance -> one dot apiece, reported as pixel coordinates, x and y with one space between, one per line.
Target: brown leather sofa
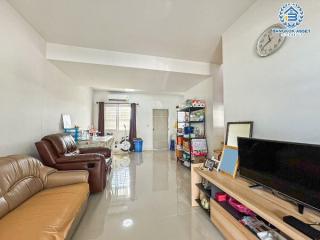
61 152
39 202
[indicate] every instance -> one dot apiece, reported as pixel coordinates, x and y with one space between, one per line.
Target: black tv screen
292 169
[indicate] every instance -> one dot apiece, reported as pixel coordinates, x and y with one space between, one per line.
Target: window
110 118
124 117
117 117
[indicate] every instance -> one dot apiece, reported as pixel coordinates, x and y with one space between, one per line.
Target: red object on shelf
221 197
240 207
179 140
198 103
197 154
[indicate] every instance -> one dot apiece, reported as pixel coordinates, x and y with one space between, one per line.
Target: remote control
302 227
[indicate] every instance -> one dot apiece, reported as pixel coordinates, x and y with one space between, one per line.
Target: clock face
269 41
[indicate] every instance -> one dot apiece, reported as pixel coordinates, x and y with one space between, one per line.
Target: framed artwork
237 129
229 161
211 164
66 120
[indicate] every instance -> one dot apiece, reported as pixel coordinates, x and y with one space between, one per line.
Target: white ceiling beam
66 53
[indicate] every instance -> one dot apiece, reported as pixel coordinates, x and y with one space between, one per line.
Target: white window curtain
117 119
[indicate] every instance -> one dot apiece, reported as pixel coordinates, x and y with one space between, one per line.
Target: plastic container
221 197
240 207
74 132
188 130
138 143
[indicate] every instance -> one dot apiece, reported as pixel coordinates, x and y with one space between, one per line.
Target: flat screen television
292 169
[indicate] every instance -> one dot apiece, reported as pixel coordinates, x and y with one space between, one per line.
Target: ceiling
182 29
185 29
120 78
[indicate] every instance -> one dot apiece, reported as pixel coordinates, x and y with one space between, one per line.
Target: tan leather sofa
39 202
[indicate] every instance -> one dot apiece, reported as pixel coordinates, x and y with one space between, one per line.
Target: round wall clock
269 42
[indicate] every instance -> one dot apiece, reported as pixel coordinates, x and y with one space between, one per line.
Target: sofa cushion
47 152
20 179
47 215
57 142
62 143
70 144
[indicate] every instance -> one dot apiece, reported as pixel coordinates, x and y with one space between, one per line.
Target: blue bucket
172 145
138 142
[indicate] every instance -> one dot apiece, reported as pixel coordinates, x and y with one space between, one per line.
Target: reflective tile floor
148 198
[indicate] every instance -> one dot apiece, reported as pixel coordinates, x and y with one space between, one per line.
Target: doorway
160 129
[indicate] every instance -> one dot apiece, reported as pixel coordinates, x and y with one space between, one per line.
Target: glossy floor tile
148 198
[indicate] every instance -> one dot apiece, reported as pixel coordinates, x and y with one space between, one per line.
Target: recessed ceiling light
129 90
127 223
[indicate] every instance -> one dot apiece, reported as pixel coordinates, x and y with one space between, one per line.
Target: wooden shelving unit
267 206
188 137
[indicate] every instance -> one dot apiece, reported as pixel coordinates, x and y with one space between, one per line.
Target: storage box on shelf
267 209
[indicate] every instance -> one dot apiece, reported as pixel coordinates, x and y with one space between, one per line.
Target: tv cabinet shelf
269 207
229 226
201 188
227 207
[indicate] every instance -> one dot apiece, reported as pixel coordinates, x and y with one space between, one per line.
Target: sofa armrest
88 157
101 150
63 178
93 149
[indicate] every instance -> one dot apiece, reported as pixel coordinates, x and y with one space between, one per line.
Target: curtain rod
117 103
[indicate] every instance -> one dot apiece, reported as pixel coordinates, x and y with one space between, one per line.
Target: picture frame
229 161
66 121
208 164
211 164
216 164
238 129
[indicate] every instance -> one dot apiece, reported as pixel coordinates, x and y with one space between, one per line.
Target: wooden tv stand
268 206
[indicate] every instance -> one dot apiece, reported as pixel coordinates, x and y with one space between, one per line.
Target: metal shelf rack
188 137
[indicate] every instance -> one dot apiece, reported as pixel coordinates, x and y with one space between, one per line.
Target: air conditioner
118 98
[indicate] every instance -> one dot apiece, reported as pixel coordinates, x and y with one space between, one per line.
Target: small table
106 141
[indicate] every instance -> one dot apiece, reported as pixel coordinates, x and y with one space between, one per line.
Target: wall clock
269 42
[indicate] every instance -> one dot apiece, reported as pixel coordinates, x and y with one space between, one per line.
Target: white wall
211 90
147 102
33 92
218 109
280 93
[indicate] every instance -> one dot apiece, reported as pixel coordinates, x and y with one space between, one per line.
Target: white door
160 129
